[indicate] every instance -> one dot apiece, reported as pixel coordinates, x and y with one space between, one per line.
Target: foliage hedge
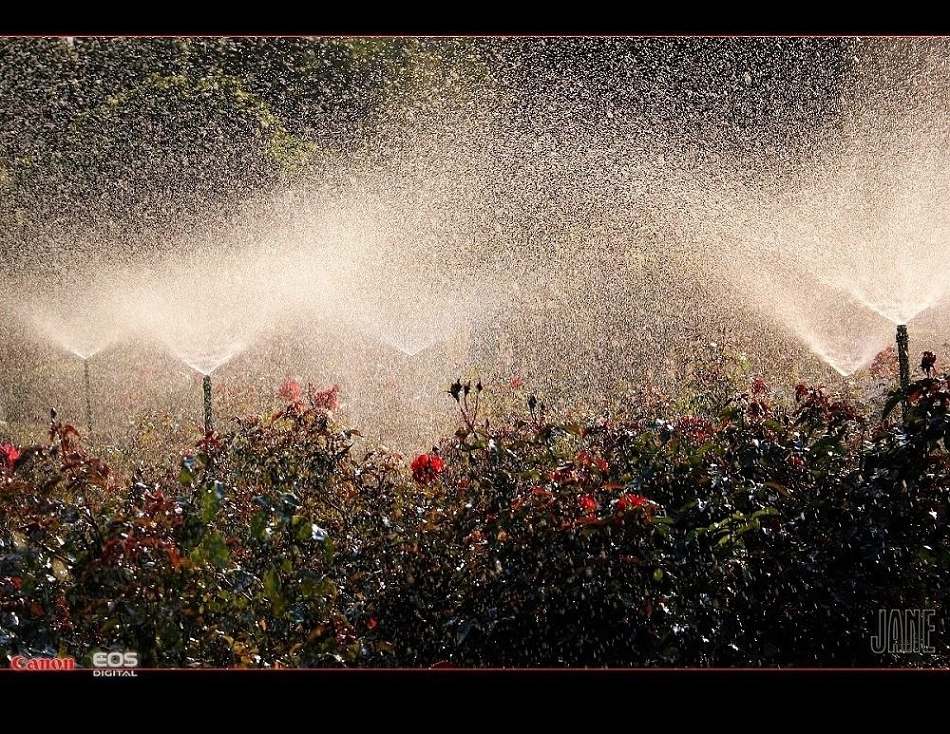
751 534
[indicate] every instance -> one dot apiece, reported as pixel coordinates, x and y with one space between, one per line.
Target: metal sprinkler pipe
209 423
904 363
88 388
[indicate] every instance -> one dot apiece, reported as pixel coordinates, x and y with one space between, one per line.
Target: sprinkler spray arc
209 423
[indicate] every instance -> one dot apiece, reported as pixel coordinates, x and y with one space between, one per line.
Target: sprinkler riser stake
88 387
209 424
904 363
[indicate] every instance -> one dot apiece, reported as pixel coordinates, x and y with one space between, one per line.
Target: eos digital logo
115 664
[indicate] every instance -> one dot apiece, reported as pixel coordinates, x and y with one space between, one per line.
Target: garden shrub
752 532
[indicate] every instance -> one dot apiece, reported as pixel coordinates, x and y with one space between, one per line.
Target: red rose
588 504
426 467
9 454
631 501
328 399
290 391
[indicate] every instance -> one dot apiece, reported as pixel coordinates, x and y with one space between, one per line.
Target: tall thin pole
209 424
904 363
88 386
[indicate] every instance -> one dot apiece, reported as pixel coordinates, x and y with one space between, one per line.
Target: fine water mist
504 214
850 235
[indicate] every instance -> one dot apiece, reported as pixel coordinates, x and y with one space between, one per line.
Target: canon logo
20 662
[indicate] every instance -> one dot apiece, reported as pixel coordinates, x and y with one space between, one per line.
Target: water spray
904 363
88 388
209 423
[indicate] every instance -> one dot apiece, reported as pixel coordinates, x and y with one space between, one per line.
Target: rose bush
747 532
